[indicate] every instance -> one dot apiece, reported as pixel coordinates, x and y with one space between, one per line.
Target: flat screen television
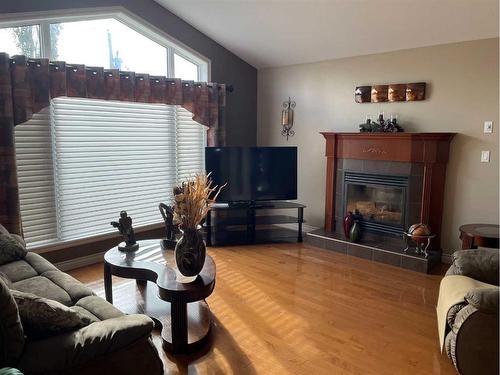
253 173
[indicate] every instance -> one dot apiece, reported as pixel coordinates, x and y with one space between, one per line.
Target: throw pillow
42 317
11 330
10 249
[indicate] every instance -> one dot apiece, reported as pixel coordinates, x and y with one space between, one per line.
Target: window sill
88 240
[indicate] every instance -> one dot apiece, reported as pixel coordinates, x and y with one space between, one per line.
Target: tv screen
253 173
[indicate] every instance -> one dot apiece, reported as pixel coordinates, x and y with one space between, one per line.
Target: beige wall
462 92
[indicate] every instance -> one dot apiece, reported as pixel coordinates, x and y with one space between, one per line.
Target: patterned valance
27 85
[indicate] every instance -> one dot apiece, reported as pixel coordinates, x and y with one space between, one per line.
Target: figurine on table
167 212
124 226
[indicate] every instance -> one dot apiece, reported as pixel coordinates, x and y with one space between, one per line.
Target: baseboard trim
87 260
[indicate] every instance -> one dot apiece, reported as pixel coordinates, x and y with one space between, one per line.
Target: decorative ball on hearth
419 232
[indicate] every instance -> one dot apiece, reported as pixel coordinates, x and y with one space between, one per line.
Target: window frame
136 23
139 25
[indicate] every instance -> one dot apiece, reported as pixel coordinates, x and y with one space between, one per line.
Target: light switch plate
488 126
485 156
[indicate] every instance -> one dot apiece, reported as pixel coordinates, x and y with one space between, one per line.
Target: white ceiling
268 33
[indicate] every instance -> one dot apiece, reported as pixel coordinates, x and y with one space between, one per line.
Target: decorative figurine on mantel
382 125
124 226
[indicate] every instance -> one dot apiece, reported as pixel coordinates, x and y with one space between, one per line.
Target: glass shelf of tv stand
247 223
261 205
259 220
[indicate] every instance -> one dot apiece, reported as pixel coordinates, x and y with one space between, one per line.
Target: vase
190 252
355 232
348 222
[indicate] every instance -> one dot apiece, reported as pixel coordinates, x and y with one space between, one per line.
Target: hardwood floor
297 309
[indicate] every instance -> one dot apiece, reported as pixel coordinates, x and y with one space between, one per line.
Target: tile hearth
383 250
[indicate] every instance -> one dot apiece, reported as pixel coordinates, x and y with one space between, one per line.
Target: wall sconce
287 119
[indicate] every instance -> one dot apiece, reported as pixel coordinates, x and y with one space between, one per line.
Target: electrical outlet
488 126
485 156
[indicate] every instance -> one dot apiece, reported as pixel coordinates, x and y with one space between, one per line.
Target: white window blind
191 142
97 158
35 179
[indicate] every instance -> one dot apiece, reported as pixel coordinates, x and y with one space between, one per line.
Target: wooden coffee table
180 308
484 235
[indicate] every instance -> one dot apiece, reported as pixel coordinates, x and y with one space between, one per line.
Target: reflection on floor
297 309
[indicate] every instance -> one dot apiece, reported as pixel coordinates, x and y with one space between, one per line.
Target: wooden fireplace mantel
430 149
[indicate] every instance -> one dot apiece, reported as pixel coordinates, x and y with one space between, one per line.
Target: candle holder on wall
287 118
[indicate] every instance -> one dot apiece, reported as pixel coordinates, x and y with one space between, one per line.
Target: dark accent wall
241 112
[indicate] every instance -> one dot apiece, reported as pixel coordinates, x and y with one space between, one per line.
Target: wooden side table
484 235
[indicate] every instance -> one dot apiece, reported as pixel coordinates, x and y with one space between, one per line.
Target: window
21 40
108 43
81 161
185 69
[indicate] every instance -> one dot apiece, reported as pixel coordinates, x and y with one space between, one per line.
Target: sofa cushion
18 270
99 307
10 249
85 313
76 348
39 264
5 279
42 317
43 287
479 264
75 289
11 330
484 299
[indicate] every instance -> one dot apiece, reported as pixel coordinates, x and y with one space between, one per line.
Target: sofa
111 342
468 312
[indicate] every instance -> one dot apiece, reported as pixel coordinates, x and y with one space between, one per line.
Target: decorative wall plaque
415 91
379 93
395 92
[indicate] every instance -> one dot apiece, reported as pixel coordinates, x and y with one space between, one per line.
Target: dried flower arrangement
193 198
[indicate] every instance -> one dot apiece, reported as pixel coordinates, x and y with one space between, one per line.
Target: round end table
484 235
180 308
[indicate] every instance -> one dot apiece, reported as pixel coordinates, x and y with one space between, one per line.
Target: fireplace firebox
378 201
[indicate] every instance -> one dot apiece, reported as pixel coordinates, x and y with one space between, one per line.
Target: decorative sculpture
383 125
418 239
167 212
395 92
193 198
124 226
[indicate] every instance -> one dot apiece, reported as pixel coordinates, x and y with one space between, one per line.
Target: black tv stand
250 222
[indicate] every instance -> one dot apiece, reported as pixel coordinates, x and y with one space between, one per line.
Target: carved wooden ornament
395 92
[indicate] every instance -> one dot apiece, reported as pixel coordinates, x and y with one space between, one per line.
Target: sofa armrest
484 299
479 264
75 348
462 316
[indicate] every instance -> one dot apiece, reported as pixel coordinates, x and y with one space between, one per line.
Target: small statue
366 127
124 226
383 125
397 127
171 230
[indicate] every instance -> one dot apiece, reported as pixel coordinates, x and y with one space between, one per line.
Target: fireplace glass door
378 201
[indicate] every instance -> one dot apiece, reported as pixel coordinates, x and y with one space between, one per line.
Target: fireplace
378 201
392 180
403 174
